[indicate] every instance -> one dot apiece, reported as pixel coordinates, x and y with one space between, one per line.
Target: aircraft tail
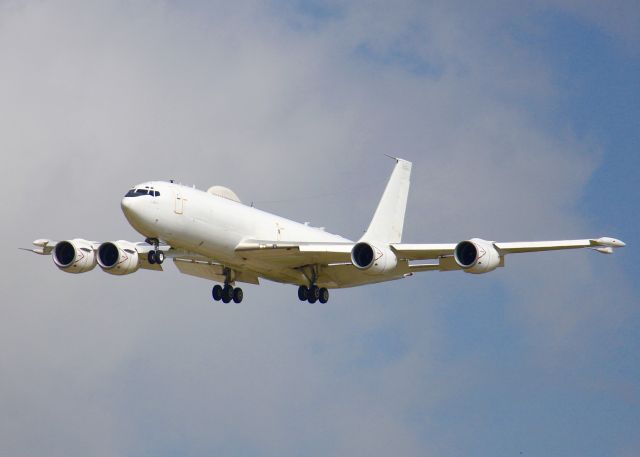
388 220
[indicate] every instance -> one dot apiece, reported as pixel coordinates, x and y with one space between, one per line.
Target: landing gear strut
156 255
228 292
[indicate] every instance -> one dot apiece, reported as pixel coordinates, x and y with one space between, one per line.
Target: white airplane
213 235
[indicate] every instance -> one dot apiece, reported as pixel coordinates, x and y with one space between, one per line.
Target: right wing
83 254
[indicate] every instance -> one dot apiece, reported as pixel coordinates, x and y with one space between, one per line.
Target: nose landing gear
156 255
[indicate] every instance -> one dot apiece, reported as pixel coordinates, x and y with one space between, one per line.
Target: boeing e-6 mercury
213 235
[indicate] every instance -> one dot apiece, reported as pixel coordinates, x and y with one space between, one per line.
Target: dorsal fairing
224 192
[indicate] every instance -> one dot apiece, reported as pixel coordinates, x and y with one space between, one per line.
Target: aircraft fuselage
213 226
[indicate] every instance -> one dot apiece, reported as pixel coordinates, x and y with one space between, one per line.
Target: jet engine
74 256
118 257
372 259
477 256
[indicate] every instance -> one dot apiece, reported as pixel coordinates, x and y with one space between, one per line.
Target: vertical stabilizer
388 220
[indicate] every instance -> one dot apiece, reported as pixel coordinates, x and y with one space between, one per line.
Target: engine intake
118 257
372 259
74 256
477 256
362 255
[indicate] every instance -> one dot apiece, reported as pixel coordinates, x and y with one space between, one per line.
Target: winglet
606 245
609 242
37 251
604 250
42 247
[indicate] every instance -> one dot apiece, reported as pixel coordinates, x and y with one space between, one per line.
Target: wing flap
211 271
295 254
423 251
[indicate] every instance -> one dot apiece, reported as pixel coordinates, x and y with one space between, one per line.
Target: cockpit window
140 192
136 193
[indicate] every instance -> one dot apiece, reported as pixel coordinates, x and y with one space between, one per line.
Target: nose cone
131 209
126 205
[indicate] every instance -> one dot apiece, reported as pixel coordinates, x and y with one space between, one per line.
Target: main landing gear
156 255
313 294
228 292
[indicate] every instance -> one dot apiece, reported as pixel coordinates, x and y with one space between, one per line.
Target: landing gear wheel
323 295
227 294
237 295
314 294
158 257
216 292
303 293
151 257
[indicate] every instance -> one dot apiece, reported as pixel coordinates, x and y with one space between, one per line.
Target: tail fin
388 220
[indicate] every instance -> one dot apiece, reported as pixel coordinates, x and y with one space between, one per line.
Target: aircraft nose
128 206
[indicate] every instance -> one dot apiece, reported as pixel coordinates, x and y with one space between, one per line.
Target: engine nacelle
372 259
74 256
118 257
477 256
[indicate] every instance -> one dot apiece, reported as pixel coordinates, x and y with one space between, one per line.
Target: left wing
475 255
481 256
603 245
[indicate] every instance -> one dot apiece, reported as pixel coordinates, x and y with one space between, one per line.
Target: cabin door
179 208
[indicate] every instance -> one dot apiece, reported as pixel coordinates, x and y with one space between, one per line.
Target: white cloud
97 96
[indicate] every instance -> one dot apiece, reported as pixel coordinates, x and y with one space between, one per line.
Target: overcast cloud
292 105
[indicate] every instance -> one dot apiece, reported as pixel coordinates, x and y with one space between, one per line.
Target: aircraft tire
216 292
159 257
227 294
151 257
237 295
323 295
314 294
303 293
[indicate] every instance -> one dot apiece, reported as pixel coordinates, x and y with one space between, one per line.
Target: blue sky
521 122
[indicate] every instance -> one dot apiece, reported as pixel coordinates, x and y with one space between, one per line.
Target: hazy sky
521 122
